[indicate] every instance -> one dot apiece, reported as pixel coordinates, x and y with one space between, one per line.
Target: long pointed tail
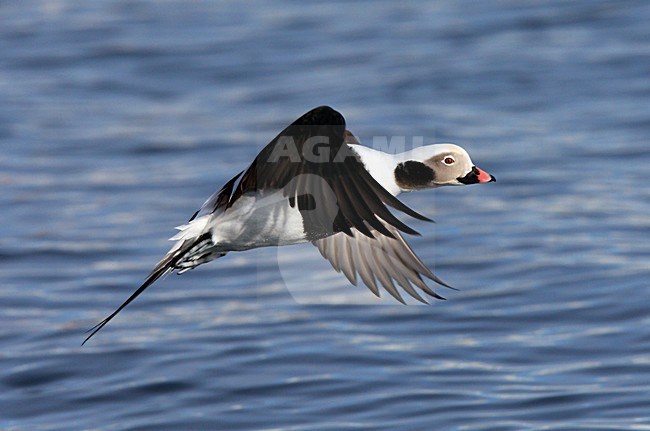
173 260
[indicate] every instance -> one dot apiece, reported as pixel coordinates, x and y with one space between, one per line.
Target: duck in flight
315 183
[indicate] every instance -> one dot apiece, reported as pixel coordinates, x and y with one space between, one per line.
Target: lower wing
383 259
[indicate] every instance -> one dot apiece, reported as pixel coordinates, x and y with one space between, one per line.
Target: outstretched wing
316 170
383 259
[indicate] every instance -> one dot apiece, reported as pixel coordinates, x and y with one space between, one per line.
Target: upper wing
218 200
384 259
317 171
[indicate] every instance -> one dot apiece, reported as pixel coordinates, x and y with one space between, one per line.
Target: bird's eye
449 160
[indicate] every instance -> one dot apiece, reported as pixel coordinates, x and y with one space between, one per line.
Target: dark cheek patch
413 175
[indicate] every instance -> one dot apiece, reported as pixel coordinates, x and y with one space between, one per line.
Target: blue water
117 119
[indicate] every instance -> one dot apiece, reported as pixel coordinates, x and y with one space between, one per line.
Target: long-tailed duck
315 182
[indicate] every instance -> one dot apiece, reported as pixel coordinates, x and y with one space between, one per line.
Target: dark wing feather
219 199
310 157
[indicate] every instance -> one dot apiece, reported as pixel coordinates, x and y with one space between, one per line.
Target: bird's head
438 165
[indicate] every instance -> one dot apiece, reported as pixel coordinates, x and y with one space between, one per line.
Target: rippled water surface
117 119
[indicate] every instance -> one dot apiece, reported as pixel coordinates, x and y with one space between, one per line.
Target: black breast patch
413 175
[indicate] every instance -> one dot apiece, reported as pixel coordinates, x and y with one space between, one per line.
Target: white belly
258 221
